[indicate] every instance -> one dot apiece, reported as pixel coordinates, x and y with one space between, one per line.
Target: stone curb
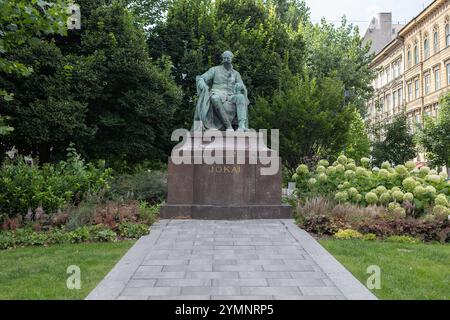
350 287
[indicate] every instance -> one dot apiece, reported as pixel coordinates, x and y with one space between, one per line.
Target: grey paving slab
228 260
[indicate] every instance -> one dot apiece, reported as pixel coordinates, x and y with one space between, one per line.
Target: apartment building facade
413 70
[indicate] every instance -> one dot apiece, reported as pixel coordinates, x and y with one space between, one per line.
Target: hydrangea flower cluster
396 188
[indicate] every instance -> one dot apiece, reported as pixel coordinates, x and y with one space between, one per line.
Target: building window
426 48
388 75
427 83
416 88
416 55
410 92
394 99
436 41
447 35
409 58
400 94
437 80
388 103
448 74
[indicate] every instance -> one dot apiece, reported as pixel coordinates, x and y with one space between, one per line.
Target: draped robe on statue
222 83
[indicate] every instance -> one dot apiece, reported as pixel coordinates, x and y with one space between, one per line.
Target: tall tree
338 52
97 87
197 32
22 21
358 142
395 143
434 137
311 115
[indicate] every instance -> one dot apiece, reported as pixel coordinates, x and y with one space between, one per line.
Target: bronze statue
222 98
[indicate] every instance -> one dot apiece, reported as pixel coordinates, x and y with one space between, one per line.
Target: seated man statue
218 107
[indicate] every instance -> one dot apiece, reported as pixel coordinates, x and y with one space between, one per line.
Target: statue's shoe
229 130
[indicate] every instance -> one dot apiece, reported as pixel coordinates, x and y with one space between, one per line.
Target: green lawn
40 272
408 271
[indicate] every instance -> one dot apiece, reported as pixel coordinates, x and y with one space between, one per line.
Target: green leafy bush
101 233
402 239
347 234
79 235
27 186
323 217
132 230
149 213
369 237
145 185
415 191
81 215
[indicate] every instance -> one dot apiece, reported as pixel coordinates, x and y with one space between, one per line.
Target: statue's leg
241 109
218 107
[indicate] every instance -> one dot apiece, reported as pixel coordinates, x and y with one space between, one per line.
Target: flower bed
399 200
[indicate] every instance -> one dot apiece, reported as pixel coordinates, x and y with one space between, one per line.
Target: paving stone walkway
228 260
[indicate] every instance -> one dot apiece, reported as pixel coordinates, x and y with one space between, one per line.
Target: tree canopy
434 137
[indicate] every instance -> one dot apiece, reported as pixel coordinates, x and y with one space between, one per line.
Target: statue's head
227 57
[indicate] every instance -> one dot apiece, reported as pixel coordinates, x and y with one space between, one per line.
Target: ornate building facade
413 70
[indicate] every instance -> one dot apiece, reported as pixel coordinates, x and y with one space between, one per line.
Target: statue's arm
203 80
239 86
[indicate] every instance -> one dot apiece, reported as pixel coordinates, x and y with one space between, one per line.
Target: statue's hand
238 87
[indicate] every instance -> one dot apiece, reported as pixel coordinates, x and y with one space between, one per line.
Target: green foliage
26 186
347 234
101 233
149 213
403 190
338 52
132 230
81 215
402 239
264 43
358 142
311 108
323 217
98 87
79 235
20 22
369 237
434 137
396 146
147 185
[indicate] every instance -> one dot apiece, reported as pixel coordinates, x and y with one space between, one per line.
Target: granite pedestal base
232 190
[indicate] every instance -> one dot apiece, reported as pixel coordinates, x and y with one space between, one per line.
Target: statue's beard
227 64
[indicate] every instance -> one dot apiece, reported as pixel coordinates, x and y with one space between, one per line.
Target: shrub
149 213
7 240
348 234
27 186
79 235
369 237
132 230
81 215
150 186
101 233
402 239
417 191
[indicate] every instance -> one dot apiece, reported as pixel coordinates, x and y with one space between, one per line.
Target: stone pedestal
234 188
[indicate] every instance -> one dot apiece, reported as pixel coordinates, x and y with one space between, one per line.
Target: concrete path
250 259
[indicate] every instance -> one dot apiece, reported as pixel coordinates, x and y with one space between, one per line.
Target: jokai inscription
225 169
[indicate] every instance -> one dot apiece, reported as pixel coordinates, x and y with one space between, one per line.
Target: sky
359 12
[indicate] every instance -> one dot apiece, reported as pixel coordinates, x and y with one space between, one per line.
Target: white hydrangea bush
396 188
